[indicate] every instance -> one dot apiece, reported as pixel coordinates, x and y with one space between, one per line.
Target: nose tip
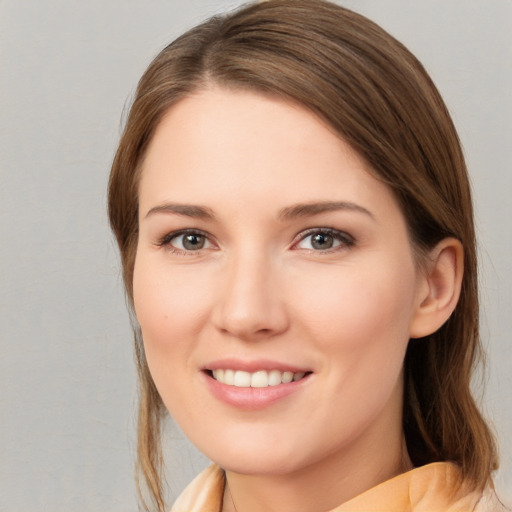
250 306
246 327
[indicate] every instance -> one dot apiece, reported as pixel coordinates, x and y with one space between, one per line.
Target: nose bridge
251 304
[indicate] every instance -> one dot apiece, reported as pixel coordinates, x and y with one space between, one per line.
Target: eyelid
345 238
165 241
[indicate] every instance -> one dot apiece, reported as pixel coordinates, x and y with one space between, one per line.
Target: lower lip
252 398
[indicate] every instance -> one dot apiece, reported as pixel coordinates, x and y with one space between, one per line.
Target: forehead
221 144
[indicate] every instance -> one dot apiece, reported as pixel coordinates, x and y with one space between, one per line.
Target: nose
251 305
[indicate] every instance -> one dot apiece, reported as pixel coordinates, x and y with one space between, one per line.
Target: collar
436 487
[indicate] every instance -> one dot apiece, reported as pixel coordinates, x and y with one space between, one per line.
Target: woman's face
267 252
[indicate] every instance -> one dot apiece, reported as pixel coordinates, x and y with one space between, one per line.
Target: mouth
257 379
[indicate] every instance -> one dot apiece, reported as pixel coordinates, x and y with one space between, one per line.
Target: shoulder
489 502
204 493
436 487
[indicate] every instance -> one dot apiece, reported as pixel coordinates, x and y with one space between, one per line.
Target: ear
438 289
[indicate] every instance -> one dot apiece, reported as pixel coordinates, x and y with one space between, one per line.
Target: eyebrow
186 210
287 213
310 209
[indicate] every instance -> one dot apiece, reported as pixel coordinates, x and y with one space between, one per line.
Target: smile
258 379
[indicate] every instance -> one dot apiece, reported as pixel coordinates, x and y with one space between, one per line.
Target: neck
318 488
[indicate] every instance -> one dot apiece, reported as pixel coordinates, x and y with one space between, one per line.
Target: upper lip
254 365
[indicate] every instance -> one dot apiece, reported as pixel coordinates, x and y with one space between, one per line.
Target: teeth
275 377
287 377
242 379
259 379
229 377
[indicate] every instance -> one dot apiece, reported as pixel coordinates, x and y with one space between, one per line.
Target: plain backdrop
67 380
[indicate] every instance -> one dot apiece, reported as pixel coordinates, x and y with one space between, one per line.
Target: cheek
165 315
359 306
165 302
360 323
169 310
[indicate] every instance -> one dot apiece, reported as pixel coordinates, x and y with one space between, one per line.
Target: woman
294 218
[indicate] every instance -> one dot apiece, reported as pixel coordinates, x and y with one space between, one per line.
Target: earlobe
439 288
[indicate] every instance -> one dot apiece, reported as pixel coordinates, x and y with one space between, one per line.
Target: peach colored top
430 488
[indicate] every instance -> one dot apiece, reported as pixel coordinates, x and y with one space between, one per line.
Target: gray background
67 381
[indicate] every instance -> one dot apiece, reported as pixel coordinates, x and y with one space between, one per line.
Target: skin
259 289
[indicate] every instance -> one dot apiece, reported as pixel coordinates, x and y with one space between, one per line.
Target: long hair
376 95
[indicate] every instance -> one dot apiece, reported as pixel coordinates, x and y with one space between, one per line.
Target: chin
248 465
258 458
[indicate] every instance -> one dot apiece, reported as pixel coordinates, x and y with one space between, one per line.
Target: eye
186 241
324 239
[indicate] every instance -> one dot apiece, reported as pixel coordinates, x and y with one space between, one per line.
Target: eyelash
166 240
345 240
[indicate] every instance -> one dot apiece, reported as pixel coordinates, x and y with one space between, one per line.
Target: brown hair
379 99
